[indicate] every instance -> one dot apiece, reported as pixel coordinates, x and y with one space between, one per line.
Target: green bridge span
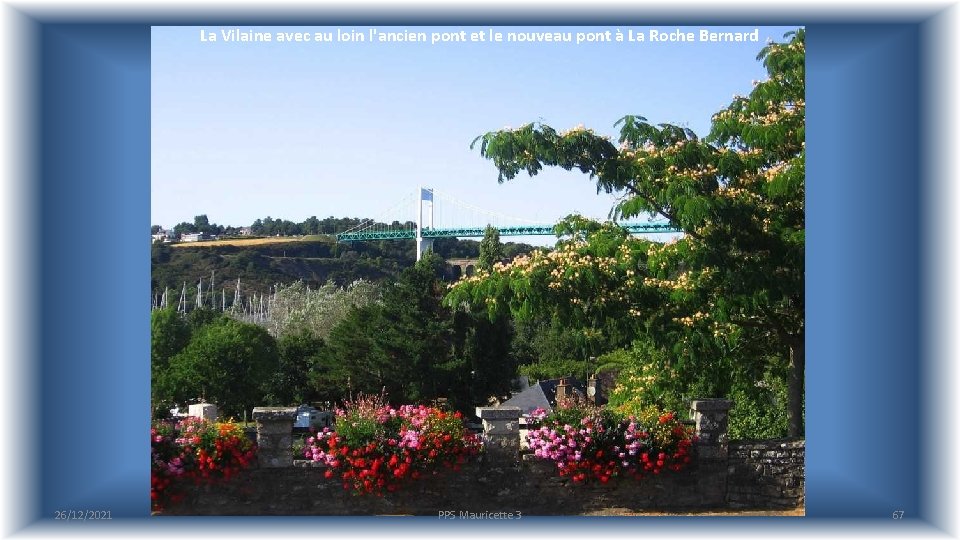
530 230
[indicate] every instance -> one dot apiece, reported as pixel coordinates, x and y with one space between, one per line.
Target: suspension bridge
436 215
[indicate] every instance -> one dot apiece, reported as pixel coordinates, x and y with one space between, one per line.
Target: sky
246 130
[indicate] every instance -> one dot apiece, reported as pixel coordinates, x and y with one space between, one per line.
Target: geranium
376 448
194 449
592 443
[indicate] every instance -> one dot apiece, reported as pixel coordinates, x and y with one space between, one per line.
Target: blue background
865 354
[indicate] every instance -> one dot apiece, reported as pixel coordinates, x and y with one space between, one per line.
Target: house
160 236
543 394
192 237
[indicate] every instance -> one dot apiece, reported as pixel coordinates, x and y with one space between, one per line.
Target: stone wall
767 474
528 487
757 475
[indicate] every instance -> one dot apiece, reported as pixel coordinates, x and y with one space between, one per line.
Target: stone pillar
710 416
275 435
501 432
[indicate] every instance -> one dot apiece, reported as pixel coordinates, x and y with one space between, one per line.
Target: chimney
561 391
592 389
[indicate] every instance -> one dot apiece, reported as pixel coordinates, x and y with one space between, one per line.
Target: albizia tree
733 283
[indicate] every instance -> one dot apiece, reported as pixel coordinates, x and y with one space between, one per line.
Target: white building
192 237
160 236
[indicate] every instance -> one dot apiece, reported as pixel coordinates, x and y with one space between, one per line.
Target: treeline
201 224
270 226
275 226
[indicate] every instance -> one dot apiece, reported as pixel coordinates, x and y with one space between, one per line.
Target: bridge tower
424 244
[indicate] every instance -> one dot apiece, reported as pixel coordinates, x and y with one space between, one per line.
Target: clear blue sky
241 131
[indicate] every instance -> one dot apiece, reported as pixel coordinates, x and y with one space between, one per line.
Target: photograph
477 273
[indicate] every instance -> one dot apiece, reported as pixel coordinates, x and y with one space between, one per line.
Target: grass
244 242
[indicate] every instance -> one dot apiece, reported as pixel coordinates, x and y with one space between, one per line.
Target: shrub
592 443
194 449
758 410
375 448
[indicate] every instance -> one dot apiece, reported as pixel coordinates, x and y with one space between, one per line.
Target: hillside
262 263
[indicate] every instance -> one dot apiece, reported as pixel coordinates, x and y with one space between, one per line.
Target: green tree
183 228
201 223
483 362
290 384
311 225
169 334
733 284
354 361
228 363
415 335
401 345
546 348
491 250
200 317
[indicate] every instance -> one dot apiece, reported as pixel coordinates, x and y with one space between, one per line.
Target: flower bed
375 448
194 449
589 443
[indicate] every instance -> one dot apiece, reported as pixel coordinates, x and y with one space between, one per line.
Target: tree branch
671 217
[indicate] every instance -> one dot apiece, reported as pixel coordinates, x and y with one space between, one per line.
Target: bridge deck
534 230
